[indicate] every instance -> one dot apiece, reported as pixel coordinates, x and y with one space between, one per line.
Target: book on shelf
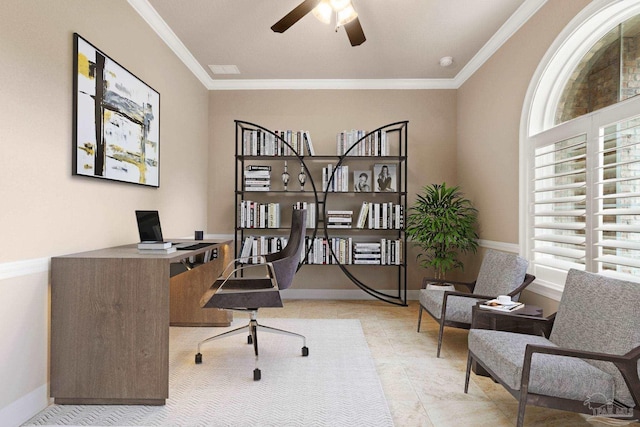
259 215
309 143
168 250
154 245
366 144
496 305
335 179
258 168
310 207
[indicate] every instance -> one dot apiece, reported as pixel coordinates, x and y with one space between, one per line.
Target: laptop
150 231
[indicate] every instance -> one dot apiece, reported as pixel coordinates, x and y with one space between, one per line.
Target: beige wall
489 107
432 150
47 212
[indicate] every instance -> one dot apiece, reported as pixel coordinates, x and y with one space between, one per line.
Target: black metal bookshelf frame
320 197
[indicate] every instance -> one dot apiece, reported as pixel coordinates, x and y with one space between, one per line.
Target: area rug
336 385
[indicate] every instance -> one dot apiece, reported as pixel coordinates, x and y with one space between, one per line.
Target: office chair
248 294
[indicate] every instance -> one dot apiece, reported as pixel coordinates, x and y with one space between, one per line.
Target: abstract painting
116 130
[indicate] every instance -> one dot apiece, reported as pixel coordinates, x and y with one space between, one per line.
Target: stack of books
333 250
391 251
259 215
340 181
255 246
375 144
496 305
311 212
339 219
257 178
155 248
381 216
367 253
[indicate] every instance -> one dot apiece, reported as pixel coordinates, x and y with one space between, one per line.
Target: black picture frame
116 120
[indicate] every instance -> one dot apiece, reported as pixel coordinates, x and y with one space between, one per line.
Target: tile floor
423 390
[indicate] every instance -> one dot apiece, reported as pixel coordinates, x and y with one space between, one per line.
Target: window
582 152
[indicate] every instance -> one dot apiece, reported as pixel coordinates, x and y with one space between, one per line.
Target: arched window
580 148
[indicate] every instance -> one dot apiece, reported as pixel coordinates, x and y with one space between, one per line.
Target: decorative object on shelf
285 176
116 134
442 223
385 176
302 177
362 181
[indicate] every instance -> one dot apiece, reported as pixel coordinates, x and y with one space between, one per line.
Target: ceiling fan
343 10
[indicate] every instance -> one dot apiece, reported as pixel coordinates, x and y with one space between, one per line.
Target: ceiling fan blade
355 32
294 16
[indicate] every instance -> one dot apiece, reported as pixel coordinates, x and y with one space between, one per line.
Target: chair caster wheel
305 351
198 359
249 339
257 374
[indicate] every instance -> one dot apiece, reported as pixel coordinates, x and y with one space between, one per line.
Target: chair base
252 329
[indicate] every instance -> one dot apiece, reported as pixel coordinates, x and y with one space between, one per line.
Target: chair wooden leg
466 379
419 317
440 333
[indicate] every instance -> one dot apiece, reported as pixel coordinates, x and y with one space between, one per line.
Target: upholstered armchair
501 273
588 362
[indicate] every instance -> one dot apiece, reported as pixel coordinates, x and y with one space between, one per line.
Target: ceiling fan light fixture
339 5
323 12
346 15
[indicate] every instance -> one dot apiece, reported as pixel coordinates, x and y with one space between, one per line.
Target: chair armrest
627 364
528 279
261 260
268 265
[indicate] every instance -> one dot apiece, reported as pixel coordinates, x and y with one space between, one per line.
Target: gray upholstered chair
590 361
248 294
501 273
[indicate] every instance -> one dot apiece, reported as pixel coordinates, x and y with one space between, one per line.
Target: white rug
336 385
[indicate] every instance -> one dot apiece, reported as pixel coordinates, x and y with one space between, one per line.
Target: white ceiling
405 41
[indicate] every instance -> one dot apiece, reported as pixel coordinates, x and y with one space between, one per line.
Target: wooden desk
110 316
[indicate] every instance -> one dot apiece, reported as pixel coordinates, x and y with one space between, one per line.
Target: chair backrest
599 314
500 273
285 262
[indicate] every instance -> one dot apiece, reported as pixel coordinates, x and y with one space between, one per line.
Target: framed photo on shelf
116 120
385 177
362 181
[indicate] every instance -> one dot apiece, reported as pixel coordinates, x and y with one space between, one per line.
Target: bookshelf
356 201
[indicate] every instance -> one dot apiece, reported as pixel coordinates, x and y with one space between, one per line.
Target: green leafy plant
442 223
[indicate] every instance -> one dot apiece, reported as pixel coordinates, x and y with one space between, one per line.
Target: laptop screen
149 226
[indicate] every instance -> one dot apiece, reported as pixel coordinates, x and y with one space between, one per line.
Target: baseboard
339 294
26 407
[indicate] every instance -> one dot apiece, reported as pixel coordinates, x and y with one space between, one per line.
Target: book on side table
496 305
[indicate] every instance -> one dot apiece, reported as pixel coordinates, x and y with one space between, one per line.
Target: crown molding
508 29
151 17
338 84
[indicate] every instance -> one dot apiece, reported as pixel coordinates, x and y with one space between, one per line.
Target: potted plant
442 223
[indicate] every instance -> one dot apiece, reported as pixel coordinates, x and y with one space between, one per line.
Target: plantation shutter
559 204
618 195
